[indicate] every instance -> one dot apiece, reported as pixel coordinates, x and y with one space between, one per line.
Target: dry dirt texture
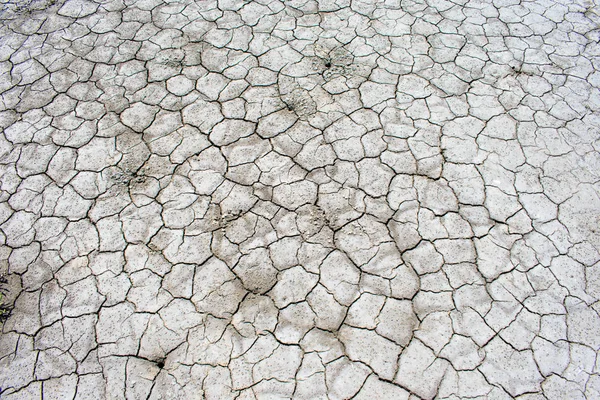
273 199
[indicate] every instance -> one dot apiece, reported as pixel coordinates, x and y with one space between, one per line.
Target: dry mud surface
300 199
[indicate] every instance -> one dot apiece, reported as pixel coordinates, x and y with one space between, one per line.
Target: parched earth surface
300 199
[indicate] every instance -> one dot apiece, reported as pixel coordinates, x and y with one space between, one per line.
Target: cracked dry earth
300 199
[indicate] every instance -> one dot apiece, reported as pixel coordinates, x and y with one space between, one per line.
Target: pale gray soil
300 199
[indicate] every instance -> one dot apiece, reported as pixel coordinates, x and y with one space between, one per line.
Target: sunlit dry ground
300 199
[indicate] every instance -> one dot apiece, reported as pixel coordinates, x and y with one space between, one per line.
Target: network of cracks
367 199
